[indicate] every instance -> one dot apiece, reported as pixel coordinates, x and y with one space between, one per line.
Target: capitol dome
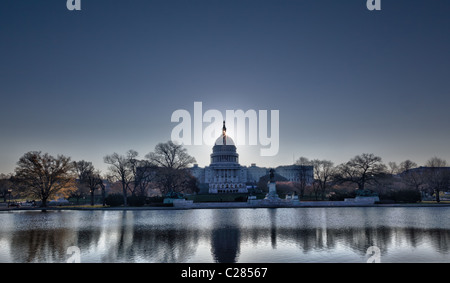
224 150
225 175
224 140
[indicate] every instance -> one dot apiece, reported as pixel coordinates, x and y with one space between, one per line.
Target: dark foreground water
401 234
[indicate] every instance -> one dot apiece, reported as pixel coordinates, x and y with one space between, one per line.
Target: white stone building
226 175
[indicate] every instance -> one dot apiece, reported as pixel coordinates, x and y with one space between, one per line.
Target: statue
272 194
271 175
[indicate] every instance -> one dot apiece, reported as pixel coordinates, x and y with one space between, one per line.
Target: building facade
226 175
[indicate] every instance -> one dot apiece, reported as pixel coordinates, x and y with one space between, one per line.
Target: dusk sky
107 79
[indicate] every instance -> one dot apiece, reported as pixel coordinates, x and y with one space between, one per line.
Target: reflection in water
225 244
273 228
225 236
228 235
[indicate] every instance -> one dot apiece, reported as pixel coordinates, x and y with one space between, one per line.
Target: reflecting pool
342 234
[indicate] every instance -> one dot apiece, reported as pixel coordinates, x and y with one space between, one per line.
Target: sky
106 79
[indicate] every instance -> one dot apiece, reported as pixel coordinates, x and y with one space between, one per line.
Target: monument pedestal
272 194
273 200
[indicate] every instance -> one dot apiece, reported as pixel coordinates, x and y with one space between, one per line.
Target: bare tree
120 170
414 179
303 175
5 185
82 169
323 173
393 168
361 170
172 161
407 165
94 181
170 155
88 177
436 162
411 176
103 190
43 176
144 172
437 176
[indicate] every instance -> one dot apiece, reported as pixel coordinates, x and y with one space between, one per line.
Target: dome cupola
224 149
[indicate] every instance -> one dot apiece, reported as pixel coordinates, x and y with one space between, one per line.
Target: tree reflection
40 245
134 243
127 239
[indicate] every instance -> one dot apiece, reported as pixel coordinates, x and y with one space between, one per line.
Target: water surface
402 234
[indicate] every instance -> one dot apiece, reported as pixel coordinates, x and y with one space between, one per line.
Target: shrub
136 200
240 199
401 195
155 199
410 196
114 200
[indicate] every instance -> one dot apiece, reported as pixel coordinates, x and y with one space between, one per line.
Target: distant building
226 175
423 169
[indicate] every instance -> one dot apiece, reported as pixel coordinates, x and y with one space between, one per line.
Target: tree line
45 177
367 172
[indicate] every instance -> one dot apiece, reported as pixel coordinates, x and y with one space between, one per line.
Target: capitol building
226 175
